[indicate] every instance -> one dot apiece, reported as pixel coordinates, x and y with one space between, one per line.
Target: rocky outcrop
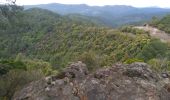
155 32
119 82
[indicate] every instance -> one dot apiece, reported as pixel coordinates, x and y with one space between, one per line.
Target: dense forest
37 42
163 24
110 15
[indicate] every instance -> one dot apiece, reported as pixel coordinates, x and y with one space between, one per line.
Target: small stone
47 89
165 75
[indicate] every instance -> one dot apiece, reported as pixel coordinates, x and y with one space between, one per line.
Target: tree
8 2
155 20
9 8
153 50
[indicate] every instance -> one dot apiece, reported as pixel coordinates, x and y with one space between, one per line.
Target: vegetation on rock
162 24
36 43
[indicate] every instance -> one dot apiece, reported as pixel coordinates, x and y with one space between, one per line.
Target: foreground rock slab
119 82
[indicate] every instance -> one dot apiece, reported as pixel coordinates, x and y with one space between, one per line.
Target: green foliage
16 73
160 65
25 64
16 79
10 18
7 65
60 40
40 41
131 29
90 59
162 24
153 49
130 61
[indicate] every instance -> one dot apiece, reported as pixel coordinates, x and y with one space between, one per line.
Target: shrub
132 60
152 50
160 64
90 59
16 79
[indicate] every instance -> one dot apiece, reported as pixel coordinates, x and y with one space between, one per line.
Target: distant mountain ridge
37 42
116 15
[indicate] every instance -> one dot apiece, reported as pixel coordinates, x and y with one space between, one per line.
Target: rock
76 70
119 82
141 70
165 75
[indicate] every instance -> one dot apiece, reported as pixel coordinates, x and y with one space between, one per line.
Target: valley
56 51
112 16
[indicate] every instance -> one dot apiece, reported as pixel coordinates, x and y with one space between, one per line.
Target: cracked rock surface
118 82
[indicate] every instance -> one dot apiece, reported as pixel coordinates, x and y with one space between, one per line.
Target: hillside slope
36 43
60 40
113 16
162 24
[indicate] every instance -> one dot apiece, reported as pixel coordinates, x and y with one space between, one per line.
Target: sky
136 3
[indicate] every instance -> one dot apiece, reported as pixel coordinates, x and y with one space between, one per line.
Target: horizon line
94 5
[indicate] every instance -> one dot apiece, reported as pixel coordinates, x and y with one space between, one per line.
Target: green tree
153 50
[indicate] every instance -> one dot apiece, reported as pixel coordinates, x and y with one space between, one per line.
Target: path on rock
154 32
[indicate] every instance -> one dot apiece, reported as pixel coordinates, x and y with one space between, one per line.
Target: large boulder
119 82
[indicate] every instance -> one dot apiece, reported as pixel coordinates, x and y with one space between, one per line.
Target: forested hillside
113 16
162 24
59 40
36 42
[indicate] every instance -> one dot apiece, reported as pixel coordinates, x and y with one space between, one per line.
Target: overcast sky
136 3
